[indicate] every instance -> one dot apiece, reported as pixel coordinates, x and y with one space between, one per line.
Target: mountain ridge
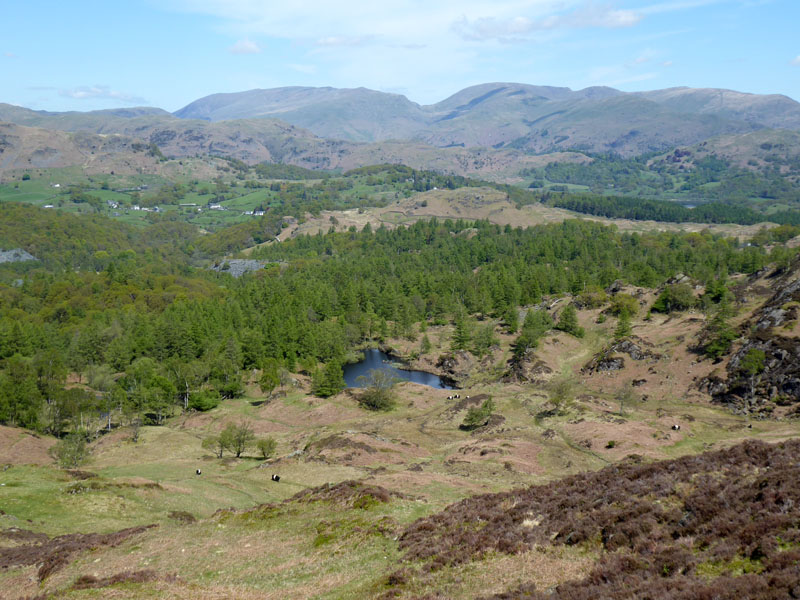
497 115
531 118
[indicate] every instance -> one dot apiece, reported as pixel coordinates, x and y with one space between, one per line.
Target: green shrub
378 393
675 297
594 298
568 322
72 451
752 363
266 447
624 303
478 416
203 400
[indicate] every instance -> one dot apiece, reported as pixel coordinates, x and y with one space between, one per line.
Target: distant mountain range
490 128
526 117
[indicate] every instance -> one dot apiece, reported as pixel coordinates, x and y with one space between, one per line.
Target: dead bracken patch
183 516
95 486
337 442
23 535
81 475
54 553
89 582
722 524
20 447
469 402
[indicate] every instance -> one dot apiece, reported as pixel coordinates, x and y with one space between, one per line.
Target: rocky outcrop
456 366
15 255
758 394
527 369
611 358
238 266
764 373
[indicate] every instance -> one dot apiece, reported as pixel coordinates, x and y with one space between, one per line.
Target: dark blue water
375 359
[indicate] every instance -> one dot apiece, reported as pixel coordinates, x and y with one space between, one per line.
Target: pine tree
269 376
425 346
568 321
461 335
484 339
328 381
720 334
511 319
624 328
535 325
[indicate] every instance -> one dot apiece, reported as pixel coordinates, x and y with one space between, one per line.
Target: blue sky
86 55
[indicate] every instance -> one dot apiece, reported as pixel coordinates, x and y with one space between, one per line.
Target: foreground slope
721 525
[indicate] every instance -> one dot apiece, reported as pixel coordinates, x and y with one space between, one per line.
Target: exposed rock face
456 366
528 369
238 266
777 382
15 255
610 360
782 307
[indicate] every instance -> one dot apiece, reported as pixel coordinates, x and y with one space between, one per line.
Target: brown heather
53 554
720 525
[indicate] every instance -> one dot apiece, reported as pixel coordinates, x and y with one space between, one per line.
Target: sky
94 54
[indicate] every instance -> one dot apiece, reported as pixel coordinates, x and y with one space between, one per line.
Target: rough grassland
267 545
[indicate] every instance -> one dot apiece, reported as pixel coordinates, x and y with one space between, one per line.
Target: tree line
136 338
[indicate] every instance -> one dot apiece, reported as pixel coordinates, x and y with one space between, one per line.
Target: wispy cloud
245 46
644 57
10 55
795 61
100 92
618 75
334 41
307 69
401 21
435 47
586 16
676 5
631 71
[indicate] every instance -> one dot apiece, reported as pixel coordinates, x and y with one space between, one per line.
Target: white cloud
100 92
10 55
244 46
795 61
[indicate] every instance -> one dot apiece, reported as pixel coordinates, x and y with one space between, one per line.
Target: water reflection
376 359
